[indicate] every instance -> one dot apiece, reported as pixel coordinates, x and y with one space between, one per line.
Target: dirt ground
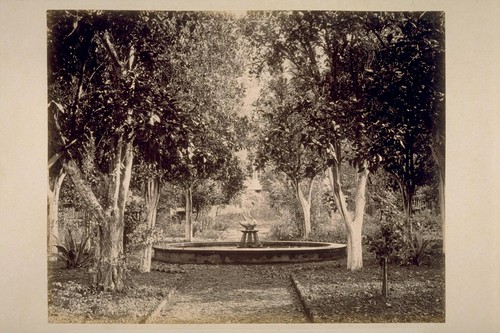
255 294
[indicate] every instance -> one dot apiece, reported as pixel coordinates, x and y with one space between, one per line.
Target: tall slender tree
208 85
406 99
281 145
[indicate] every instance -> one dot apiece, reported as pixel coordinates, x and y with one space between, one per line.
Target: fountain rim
230 253
222 247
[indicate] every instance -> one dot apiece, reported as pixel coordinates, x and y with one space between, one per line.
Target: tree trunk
305 204
442 210
354 225
53 210
109 253
439 158
407 192
152 197
384 277
189 210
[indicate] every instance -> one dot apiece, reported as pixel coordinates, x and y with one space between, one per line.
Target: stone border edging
160 307
305 304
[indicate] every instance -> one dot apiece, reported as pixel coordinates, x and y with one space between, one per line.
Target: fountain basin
230 253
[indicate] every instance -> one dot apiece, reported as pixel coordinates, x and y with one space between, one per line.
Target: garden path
233 294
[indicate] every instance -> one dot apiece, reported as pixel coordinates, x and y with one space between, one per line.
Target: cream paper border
472 263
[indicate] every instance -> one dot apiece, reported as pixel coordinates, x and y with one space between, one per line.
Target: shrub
72 251
174 230
285 228
371 225
417 243
220 223
386 242
228 218
328 232
419 249
392 238
143 236
210 234
428 222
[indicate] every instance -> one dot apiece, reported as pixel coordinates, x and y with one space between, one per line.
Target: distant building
179 214
252 183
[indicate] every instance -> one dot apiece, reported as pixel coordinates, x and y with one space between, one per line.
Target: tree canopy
159 95
371 87
149 86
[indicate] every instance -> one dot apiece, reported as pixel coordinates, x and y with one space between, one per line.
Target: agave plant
419 249
73 252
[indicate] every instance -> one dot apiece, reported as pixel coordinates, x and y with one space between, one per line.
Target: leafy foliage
143 84
278 192
392 240
385 243
405 96
143 236
285 125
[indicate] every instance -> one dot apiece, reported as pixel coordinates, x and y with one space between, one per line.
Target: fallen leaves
260 293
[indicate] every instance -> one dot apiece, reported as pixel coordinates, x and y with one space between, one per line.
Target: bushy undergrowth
391 237
429 223
220 222
384 234
328 231
68 298
284 231
174 229
321 231
285 228
209 234
143 236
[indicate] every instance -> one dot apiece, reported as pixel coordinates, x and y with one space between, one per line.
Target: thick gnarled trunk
108 273
354 224
152 197
53 209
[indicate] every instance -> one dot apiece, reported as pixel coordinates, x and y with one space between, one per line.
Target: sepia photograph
229 166
246 167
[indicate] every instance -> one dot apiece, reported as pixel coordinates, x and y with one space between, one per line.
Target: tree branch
119 66
84 190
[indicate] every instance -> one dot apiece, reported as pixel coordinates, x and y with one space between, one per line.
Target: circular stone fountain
249 250
232 253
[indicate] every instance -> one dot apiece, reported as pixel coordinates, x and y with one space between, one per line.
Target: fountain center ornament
249 238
